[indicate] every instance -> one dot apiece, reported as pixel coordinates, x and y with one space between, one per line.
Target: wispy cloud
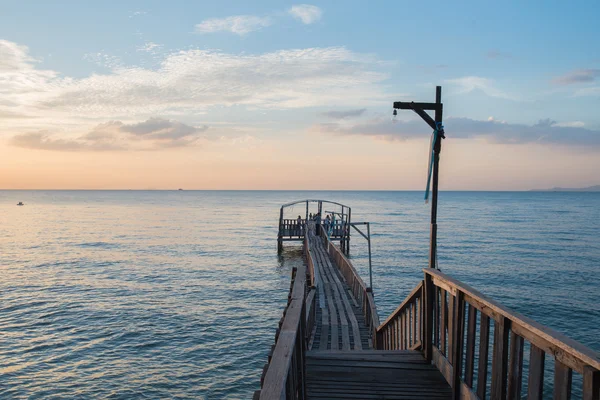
150 47
498 55
306 13
588 91
545 131
190 82
578 76
469 84
153 134
344 114
238 24
137 14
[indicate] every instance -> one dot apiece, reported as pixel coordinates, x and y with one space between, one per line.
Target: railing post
591 384
428 318
457 342
280 234
500 359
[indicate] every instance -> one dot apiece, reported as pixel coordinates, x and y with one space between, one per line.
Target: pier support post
429 298
437 148
280 232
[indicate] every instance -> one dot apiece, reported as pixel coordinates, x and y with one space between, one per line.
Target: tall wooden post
280 234
349 220
437 148
435 124
306 219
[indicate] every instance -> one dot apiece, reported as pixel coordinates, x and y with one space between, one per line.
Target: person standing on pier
299 223
327 223
318 222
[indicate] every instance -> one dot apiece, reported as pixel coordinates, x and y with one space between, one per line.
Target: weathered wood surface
340 324
402 329
373 374
511 331
360 291
284 376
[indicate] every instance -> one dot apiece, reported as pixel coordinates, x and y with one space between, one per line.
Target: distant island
595 188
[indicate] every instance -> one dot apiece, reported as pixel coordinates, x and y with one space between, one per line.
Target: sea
177 294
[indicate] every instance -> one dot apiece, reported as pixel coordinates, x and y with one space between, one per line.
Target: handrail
403 329
313 201
284 375
310 262
361 292
454 307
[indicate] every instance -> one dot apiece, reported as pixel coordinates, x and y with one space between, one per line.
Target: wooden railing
459 321
361 292
402 330
284 374
290 228
310 262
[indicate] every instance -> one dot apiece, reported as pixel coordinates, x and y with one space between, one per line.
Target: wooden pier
444 341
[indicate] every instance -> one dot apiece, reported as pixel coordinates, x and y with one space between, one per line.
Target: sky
287 95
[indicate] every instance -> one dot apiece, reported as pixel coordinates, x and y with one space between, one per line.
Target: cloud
158 128
344 114
545 131
469 84
578 76
238 24
570 124
44 141
189 82
137 14
20 81
306 13
588 91
150 47
498 55
152 134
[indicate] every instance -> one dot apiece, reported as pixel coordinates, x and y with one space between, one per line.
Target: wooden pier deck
341 362
373 374
445 340
339 323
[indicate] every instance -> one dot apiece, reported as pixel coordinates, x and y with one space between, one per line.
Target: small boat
20 203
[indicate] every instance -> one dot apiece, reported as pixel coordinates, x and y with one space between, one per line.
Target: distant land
595 188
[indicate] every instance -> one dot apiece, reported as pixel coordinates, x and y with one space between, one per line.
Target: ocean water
158 294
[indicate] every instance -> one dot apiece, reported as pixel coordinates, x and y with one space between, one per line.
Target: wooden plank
591 384
406 329
442 364
443 321
274 384
346 308
450 317
324 338
401 334
428 318
568 351
563 377
444 284
535 388
470 349
336 288
515 369
458 317
482 370
333 317
500 359
414 333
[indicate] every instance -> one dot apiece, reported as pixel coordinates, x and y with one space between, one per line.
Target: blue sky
140 75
